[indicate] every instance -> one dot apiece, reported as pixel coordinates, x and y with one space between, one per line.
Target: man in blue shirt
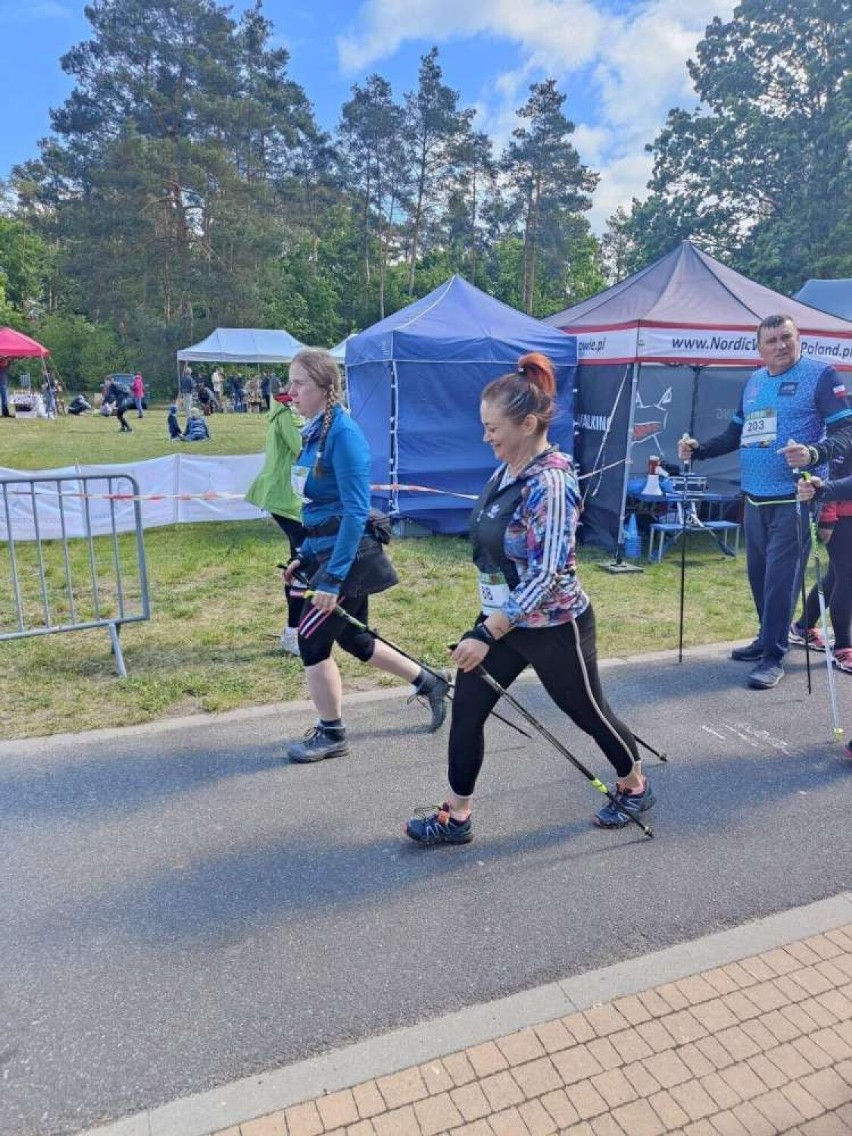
787 398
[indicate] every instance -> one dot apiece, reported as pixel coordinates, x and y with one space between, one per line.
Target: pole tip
838 733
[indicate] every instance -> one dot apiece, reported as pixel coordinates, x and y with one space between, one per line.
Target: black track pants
565 659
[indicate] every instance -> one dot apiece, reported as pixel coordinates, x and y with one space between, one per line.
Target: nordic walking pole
338 610
557 744
687 466
837 729
661 754
803 566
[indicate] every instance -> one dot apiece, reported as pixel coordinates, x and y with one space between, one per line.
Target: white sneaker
289 641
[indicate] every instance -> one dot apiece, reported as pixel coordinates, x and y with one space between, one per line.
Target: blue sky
621 63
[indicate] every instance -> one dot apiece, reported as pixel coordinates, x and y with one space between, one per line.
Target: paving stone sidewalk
758 1047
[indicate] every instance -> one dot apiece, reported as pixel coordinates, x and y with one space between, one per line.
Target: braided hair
324 371
529 390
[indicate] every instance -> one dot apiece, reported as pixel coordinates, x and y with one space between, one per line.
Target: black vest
488 521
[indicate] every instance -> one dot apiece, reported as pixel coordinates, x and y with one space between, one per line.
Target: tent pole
393 502
628 458
696 375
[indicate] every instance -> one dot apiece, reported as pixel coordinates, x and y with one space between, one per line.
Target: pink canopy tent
16 345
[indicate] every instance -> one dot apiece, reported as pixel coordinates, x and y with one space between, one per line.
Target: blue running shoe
436 826
612 816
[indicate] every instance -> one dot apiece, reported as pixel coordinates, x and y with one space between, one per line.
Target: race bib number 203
760 428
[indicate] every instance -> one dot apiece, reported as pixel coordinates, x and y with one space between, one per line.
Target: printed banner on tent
734 347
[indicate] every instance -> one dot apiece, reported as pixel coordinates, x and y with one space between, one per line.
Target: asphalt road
182 908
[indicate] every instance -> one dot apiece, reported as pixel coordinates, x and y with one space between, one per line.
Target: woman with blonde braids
342 556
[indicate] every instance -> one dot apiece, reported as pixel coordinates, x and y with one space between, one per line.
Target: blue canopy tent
414 383
832 296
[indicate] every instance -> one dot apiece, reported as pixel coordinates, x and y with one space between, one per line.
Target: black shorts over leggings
320 630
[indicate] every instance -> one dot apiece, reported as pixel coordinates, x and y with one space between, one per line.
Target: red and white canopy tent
687 315
689 308
16 345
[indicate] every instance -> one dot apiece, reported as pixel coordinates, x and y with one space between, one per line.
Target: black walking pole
557 744
338 610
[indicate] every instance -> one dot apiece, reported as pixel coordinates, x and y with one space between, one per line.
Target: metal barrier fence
85 574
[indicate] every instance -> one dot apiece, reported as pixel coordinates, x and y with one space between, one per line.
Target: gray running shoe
319 744
766 674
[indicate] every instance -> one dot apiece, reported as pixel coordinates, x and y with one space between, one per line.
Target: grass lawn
217 607
33 443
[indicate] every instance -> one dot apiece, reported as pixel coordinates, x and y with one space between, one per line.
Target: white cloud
633 59
568 29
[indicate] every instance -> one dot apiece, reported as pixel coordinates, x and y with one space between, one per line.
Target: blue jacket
341 491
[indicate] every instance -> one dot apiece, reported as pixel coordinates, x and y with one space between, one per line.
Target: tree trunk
418 214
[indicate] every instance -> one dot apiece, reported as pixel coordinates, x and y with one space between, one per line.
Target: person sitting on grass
196 429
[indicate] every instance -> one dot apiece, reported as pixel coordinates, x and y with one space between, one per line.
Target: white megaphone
652 482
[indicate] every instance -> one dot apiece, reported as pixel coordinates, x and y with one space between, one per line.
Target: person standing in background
137 389
218 381
185 386
4 388
793 413
272 491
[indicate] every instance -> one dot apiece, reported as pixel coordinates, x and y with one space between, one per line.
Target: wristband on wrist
481 633
813 453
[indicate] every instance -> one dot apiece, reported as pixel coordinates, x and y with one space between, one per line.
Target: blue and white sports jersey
799 403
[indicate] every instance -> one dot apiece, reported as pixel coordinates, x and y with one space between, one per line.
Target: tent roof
834 296
688 308
338 352
458 322
688 287
243 345
15 345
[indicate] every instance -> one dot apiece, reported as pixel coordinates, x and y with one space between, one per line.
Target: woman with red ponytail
533 610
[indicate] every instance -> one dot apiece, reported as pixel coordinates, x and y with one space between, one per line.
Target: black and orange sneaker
436 826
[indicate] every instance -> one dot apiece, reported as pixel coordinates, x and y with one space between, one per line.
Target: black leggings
295 535
565 659
320 630
837 585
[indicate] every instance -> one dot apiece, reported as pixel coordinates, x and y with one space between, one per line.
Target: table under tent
24 399
415 381
666 351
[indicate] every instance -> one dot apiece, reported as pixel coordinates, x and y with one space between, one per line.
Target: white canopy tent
338 352
243 345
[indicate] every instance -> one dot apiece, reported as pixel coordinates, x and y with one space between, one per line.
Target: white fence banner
175 489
